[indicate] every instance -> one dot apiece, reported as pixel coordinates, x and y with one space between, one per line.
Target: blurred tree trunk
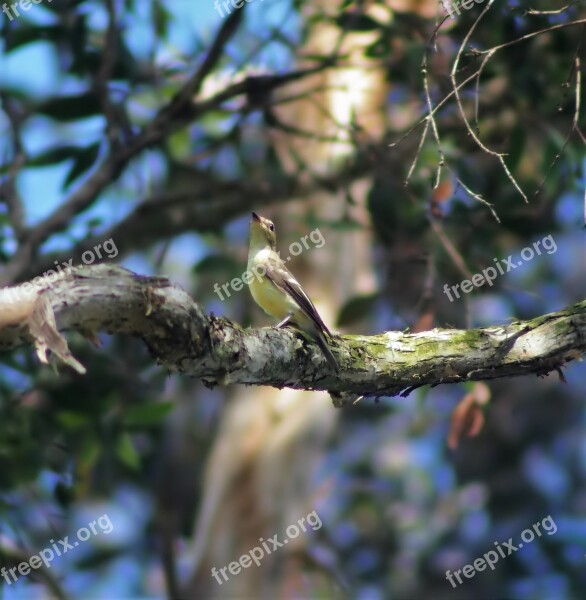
260 476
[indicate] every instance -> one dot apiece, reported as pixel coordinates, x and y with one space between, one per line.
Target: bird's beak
255 217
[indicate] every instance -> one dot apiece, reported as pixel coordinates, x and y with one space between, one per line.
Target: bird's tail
320 340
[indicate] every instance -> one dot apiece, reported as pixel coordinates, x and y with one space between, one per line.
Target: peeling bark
185 340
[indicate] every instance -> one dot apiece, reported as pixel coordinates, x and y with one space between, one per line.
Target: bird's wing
282 278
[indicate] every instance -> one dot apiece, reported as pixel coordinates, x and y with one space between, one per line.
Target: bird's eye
271 227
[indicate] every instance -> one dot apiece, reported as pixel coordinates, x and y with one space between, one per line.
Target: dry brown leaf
467 420
43 329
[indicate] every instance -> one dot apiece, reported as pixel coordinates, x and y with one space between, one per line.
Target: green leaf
356 308
89 452
517 142
127 453
72 420
20 36
356 22
69 108
148 415
161 18
380 48
84 161
55 155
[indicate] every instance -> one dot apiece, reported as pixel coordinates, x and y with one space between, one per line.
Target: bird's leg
284 322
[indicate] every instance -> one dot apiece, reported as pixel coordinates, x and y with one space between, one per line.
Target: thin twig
573 128
472 133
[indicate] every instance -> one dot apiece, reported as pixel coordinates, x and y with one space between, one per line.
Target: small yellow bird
277 292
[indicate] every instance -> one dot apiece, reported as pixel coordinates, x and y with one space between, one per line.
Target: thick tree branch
185 340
